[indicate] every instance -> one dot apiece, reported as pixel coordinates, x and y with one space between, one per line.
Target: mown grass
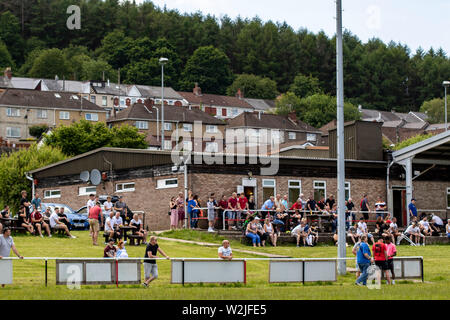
29 275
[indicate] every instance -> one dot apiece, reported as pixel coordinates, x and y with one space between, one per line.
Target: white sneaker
393 281
42 236
73 237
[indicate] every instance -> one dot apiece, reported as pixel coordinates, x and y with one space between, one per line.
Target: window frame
92 115
10 114
211 126
123 189
167 126
208 143
294 187
51 196
264 186
292 134
187 127
166 186
320 188
40 114
308 135
64 118
139 123
348 187
448 198
166 143
104 101
9 135
85 192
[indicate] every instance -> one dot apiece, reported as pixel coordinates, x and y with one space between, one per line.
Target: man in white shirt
58 225
91 202
437 224
425 226
108 206
393 229
116 223
224 251
109 226
413 232
6 244
362 230
380 207
297 232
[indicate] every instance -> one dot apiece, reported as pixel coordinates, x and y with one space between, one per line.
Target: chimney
239 94
108 82
8 73
197 90
360 108
293 117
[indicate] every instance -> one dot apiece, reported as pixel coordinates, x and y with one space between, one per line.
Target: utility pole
342 268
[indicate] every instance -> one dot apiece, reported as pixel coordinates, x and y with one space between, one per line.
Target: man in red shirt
380 255
243 206
232 209
223 206
94 226
38 223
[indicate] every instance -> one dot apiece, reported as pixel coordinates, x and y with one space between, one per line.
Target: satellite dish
96 177
84 176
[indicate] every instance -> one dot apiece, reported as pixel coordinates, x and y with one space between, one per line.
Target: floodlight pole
446 84
342 268
162 62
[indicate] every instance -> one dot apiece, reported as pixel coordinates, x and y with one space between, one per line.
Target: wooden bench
135 239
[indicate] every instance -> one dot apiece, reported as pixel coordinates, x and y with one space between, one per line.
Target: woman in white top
121 251
138 230
268 228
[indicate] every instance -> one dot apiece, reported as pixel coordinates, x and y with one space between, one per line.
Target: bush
38 130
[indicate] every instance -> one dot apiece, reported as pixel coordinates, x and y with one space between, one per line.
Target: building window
448 198
64 115
167 126
91 116
122 101
224 112
348 193
85 191
94 99
167 145
211 129
13 112
320 190
212 147
187 145
187 127
13 132
104 101
143 125
292 135
295 189
311 137
276 137
234 112
167 183
42 114
269 188
52 194
125 187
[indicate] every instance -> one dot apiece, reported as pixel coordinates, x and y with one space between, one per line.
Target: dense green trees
132 37
435 109
253 87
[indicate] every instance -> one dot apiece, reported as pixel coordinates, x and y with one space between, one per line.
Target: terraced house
21 108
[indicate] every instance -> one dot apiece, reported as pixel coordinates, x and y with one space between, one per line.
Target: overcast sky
424 23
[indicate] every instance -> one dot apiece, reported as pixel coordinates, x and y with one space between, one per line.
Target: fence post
45 272
303 272
182 272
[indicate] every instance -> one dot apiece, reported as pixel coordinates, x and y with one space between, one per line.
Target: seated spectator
311 204
329 203
5 214
352 234
362 229
270 230
321 204
296 217
388 219
138 226
425 226
262 234
349 205
252 231
413 232
300 232
121 251
381 227
117 222
110 250
279 220
109 227
63 217
225 251
24 221
314 234
437 224
447 228
58 225
393 230
37 220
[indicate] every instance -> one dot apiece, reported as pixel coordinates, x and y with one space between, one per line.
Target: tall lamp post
162 62
446 84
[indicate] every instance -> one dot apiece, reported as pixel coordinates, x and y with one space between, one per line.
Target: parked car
76 221
84 212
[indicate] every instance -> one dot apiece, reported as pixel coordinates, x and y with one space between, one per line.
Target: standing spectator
173 211
252 231
121 251
223 206
350 212
329 204
36 202
362 230
364 205
108 206
437 224
268 206
181 213
225 251
24 221
94 225
5 214
232 209
380 207
109 227
413 232
121 207
303 200
37 220
150 267
6 244
56 224
311 205
380 255
91 202
355 250
412 209
193 211
391 253
251 203
425 226
363 258
110 250
24 202
211 205
270 230
242 206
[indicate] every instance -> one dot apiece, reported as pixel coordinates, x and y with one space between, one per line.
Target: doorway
399 201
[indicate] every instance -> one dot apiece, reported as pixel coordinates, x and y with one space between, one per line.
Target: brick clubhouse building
148 179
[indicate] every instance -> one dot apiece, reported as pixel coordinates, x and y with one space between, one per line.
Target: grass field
29 275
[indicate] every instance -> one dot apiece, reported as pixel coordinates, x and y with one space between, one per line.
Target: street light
446 84
162 62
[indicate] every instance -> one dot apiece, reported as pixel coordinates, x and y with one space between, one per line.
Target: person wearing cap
6 244
252 231
412 209
37 220
224 251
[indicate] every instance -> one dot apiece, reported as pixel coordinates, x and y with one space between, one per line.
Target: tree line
221 54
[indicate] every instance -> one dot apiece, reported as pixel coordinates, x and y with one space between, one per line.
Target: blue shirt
189 204
363 248
36 202
268 205
413 209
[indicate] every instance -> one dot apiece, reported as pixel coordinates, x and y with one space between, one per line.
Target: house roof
330 125
111 88
260 104
215 100
270 121
23 83
139 111
155 92
5 82
45 99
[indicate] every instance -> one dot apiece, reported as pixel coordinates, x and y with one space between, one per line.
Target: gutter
32 183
